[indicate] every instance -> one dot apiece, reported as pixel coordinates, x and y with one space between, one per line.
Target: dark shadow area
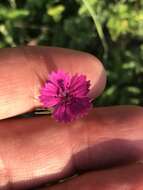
109 154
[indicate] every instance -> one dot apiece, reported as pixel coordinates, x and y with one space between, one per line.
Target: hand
38 150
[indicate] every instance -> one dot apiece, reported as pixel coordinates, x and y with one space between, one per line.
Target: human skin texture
24 70
39 150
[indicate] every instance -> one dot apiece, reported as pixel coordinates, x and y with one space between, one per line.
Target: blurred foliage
111 30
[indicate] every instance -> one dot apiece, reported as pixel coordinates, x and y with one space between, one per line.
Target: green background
110 29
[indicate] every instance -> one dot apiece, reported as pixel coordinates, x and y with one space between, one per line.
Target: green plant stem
97 25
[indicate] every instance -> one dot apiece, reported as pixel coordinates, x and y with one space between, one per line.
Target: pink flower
66 95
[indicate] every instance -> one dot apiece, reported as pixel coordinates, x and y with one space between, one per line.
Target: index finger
24 70
35 151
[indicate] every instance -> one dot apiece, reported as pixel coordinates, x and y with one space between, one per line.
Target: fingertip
97 75
78 62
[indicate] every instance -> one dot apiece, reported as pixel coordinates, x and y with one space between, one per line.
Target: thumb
23 71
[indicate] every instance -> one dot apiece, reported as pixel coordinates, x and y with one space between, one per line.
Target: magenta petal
66 95
80 106
79 87
49 101
55 77
77 80
62 113
80 91
49 89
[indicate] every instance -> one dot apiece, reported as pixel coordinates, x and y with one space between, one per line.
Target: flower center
65 97
63 92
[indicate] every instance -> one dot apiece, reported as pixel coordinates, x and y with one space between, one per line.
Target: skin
105 148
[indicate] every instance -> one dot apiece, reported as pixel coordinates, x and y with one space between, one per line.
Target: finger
122 178
24 70
39 150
